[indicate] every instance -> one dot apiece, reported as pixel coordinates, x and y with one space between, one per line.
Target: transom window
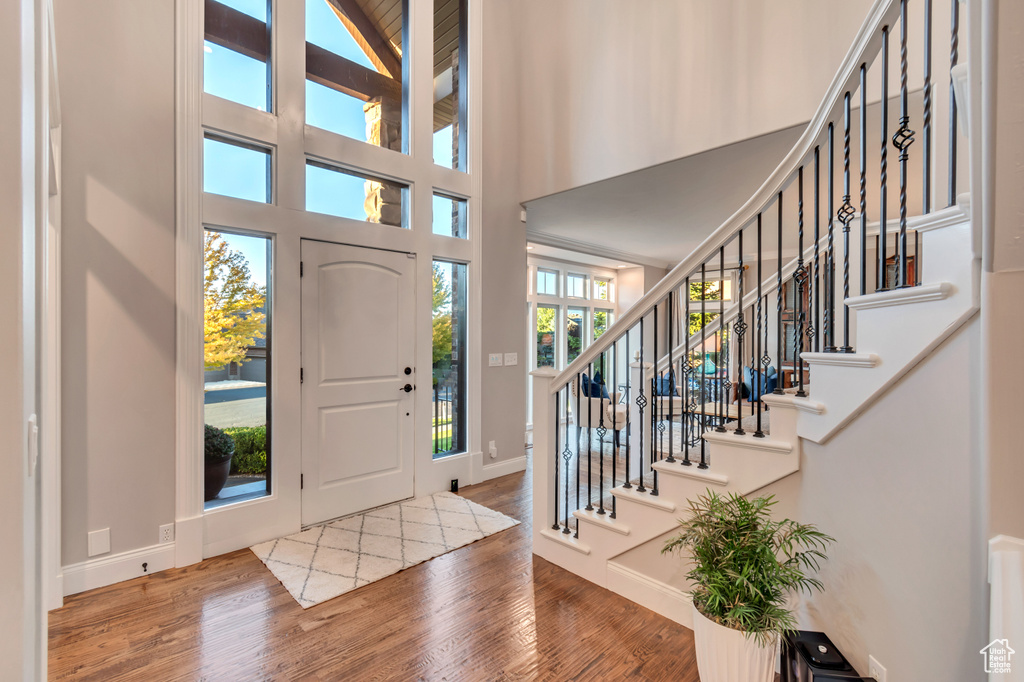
547 282
576 285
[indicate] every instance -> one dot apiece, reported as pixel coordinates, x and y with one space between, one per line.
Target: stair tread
643 498
566 539
678 469
749 441
602 520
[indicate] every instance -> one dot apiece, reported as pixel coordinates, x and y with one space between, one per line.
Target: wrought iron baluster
740 327
601 431
883 206
902 139
863 143
926 159
615 430
686 419
629 396
830 273
703 369
845 216
954 58
579 434
657 425
814 330
800 277
778 315
755 369
558 414
723 379
671 379
641 402
590 433
567 456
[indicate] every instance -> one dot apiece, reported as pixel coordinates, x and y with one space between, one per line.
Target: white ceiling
658 215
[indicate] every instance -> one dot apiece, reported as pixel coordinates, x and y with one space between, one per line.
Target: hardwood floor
488 611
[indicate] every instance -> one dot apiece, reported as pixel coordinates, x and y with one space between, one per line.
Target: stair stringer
739 464
897 329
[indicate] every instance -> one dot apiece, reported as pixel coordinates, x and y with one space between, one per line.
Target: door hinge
302 481
301 268
302 373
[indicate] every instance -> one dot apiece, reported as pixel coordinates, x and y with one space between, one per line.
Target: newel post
545 459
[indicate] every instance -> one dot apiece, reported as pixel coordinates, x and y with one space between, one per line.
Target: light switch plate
495 360
511 359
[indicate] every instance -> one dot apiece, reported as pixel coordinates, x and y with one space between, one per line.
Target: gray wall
900 490
117 68
503 391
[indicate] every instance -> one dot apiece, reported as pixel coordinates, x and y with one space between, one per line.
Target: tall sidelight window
348 194
237 360
450 75
449 359
450 216
355 71
236 59
575 335
547 318
602 320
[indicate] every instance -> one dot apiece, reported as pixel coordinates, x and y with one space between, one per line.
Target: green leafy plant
746 564
250 450
218 444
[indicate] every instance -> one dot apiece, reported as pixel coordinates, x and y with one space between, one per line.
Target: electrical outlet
492 450
167 533
99 541
511 359
494 359
875 669
455 485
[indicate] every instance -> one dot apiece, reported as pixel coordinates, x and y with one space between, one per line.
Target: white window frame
586 286
536 280
201 533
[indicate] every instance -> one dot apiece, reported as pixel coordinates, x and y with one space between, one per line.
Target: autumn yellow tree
233 316
442 322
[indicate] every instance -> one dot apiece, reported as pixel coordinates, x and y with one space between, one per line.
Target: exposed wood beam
242 33
227 27
328 69
378 49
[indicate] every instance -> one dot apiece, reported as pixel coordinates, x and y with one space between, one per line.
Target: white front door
357 363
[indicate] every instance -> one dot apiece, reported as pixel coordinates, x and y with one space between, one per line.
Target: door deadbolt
407 388
408 371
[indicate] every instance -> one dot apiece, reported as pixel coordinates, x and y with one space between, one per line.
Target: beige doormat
325 561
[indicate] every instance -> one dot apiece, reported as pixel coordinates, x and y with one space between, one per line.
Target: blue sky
241 172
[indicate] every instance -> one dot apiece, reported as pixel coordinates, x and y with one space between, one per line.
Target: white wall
900 490
503 391
118 271
610 87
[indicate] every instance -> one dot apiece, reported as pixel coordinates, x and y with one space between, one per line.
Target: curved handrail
866 47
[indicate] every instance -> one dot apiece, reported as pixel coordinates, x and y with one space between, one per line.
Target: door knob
407 388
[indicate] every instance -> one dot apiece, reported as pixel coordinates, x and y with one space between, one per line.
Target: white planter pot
727 655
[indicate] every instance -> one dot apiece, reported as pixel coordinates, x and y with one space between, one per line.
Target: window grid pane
574 333
449 359
236 59
236 170
547 317
449 216
347 194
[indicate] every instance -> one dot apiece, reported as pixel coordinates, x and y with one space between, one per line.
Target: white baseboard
655 595
503 468
107 570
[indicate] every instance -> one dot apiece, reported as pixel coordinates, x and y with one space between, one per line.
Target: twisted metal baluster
641 402
656 422
558 395
740 327
688 409
758 433
926 161
567 458
902 139
845 215
830 274
863 179
954 58
629 386
723 380
615 431
601 431
703 373
813 330
671 380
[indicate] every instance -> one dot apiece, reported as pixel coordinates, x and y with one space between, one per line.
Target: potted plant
219 448
744 566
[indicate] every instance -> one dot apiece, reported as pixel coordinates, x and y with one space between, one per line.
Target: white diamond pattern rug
325 561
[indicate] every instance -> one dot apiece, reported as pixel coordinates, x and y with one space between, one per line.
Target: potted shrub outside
219 448
744 567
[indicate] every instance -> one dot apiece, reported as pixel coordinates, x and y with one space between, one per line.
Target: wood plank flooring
489 611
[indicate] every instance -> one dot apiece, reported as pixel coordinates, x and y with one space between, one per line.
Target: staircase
800 271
